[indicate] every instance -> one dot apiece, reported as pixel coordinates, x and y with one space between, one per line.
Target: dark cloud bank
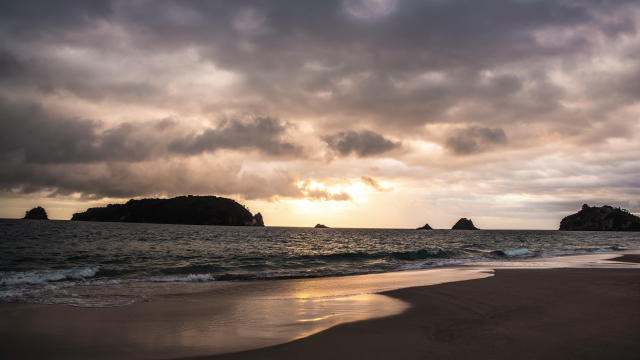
480 69
42 152
363 144
476 139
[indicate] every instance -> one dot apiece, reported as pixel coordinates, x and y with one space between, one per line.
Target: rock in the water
464 224
37 213
257 220
425 227
196 210
320 226
604 218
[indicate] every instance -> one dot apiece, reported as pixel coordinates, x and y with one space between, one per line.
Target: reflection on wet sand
210 318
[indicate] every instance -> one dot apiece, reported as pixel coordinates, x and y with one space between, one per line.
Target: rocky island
37 213
194 210
425 227
320 226
604 218
464 224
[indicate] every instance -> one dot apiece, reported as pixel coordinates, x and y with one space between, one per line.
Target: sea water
169 291
93 264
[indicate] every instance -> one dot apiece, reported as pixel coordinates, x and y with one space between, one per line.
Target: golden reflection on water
316 319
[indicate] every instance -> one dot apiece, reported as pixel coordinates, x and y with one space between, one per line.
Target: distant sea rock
425 227
37 213
320 226
194 210
464 224
257 220
604 218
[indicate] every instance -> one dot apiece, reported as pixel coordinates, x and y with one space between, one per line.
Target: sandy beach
562 313
517 314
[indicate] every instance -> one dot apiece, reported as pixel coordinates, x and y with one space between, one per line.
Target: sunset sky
355 113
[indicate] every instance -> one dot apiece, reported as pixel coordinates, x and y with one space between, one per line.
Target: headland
603 218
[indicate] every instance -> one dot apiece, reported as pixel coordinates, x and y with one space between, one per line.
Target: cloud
44 138
27 130
43 152
369 181
108 98
363 144
260 133
163 177
319 193
476 139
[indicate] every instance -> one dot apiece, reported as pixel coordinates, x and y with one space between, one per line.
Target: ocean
92 264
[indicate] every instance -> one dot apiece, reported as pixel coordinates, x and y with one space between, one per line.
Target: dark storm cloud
62 156
476 139
479 66
10 66
289 52
149 179
28 130
363 144
262 133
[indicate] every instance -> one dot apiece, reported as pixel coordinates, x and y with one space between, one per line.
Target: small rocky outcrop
37 213
425 227
320 226
257 220
604 218
464 224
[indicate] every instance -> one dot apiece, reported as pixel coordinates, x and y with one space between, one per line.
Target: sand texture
518 314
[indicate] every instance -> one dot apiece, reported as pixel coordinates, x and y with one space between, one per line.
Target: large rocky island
195 210
604 218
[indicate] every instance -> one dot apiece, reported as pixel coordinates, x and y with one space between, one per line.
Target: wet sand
572 313
632 258
518 314
194 319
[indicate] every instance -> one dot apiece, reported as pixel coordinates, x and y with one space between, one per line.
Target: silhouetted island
37 213
194 210
320 226
425 227
604 218
464 224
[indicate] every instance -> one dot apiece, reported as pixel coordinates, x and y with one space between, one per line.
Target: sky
351 113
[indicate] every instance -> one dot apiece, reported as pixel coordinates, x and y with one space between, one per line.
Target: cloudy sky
354 113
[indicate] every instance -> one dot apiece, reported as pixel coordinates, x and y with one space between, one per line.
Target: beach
524 313
517 314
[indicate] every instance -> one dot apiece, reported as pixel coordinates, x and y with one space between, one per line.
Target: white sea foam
44 276
439 263
516 252
188 278
573 252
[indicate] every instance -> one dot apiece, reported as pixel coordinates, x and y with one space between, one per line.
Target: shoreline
518 308
517 314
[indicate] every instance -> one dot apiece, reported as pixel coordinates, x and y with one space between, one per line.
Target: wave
359 255
44 276
50 286
512 252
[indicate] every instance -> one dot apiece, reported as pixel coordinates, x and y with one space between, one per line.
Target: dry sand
518 314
